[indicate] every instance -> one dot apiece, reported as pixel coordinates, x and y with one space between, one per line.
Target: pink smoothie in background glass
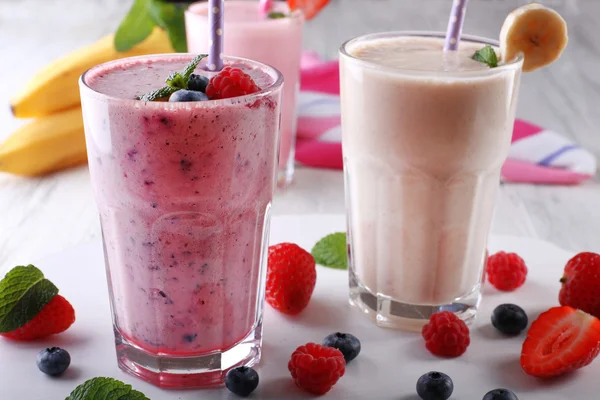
276 42
424 136
184 192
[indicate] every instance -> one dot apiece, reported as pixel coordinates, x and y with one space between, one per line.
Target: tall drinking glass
184 192
424 136
276 42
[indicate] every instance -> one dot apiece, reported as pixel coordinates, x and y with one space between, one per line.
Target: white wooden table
43 216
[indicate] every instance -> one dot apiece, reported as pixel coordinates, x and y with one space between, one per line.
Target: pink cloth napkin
537 155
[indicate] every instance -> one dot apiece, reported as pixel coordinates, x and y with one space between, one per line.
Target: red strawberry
56 317
581 283
230 82
316 368
291 278
310 8
506 271
560 340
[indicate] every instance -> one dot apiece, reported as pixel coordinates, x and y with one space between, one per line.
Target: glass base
388 313
176 372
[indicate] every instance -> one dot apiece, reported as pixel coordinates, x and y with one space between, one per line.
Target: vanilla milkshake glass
424 136
184 192
276 42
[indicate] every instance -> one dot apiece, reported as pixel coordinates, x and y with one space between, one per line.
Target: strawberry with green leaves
30 306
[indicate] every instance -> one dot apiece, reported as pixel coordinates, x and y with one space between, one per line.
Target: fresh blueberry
500 394
434 386
509 319
187 95
348 344
198 83
241 381
53 361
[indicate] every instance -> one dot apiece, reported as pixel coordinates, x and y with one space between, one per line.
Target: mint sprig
158 94
331 251
141 19
191 67
105 389
175 81
23 293
487 55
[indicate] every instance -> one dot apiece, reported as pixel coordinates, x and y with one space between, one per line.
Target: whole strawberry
506 271
291 278
30 307
316 368
581 283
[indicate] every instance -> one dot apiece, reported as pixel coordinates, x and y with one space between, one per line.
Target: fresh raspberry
291 278
446 335
316 368
56 317
581 283
559 341
506 271
230 82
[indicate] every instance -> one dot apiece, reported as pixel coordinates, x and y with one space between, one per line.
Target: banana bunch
54 140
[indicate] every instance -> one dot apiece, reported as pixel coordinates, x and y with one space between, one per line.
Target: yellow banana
45 145
536 31
56 86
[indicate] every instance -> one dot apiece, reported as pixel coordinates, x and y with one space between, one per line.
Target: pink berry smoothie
184 192
276 42
424 137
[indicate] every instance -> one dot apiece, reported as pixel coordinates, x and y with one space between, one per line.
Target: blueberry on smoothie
241 381
187 95
198 83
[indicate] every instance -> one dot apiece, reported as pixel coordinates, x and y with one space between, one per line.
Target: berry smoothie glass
184 192
424 136
276 42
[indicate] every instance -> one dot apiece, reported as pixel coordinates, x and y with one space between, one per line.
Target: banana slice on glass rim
536 31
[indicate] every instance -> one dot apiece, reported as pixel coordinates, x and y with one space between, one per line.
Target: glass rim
202 5
273 86
516 63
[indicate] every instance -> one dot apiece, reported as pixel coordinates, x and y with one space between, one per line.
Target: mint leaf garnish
331 251
191 67
276 15
171 18
175 81
137 26
162 93
105 389
23 293
487 55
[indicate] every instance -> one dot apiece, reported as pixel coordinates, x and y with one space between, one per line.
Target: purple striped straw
455 24
216 9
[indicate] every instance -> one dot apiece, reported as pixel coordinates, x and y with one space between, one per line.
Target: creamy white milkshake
425 134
